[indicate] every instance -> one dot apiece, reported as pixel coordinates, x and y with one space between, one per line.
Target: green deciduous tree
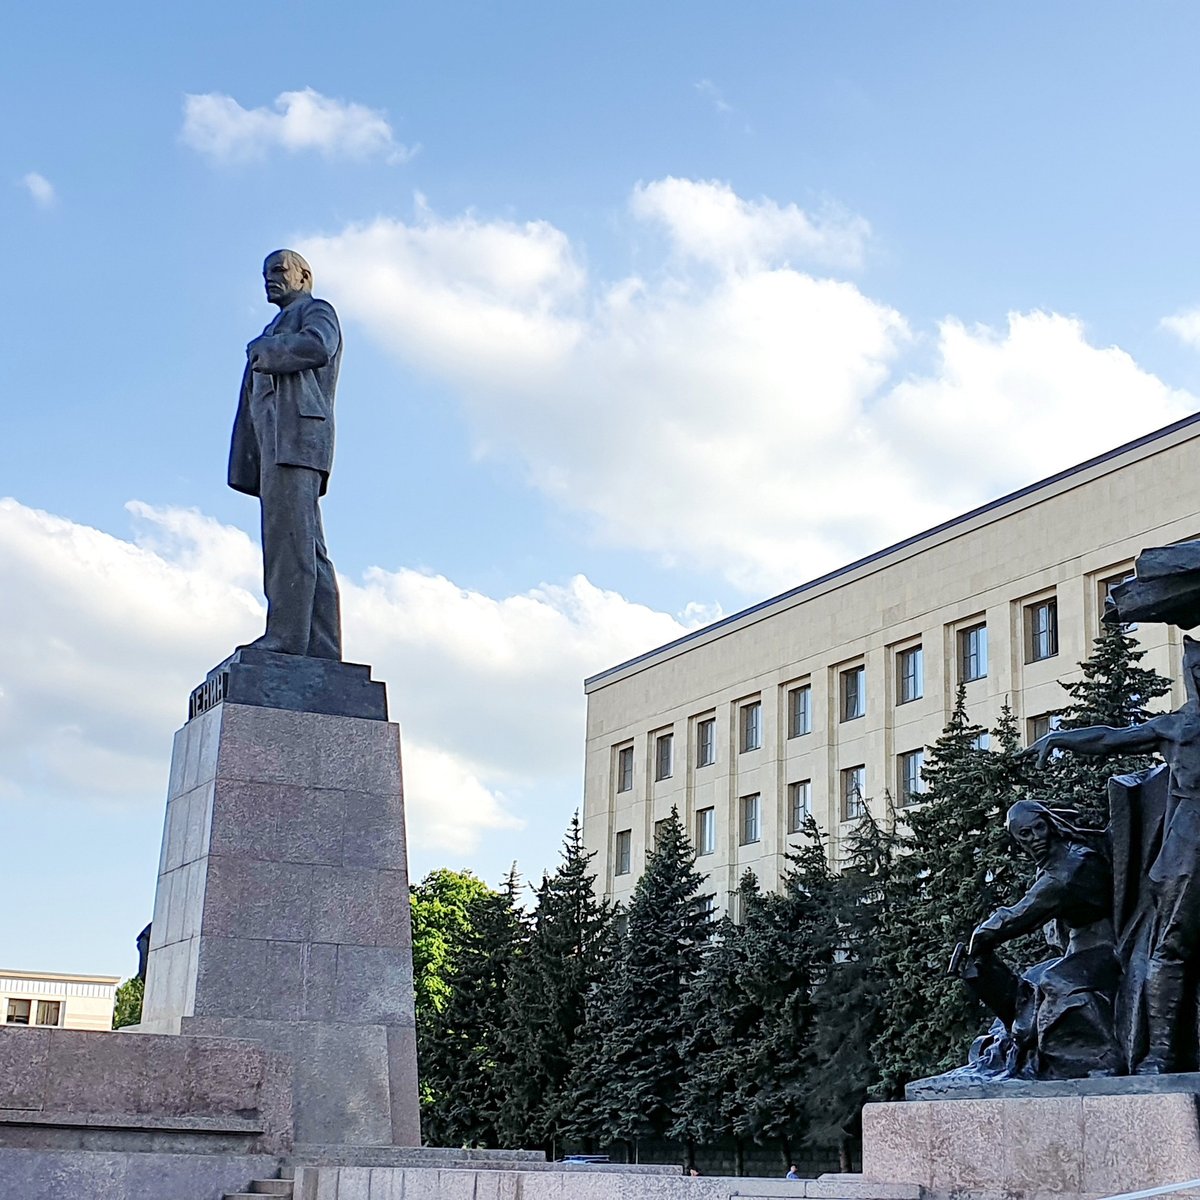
462 1046
128 1010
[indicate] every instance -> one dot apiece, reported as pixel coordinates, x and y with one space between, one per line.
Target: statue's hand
1041 749
983 940
252 352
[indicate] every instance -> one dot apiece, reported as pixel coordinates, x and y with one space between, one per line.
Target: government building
47 999
824 699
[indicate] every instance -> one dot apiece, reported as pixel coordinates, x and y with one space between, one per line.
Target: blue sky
650 311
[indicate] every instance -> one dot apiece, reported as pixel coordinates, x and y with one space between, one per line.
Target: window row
853 783
22 1012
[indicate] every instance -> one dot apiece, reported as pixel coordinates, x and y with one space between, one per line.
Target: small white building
58 1001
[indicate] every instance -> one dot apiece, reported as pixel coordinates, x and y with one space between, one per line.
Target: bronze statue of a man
282 452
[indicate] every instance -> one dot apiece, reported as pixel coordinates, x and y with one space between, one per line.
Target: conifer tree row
773 1026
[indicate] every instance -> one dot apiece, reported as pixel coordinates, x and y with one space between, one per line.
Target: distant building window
707 906
18 1012
799 804
660 828
706 742
854 785
49 1012
751 721
982 741
1041 630
625 769
621 924
854 693
799 711
910 781
623 852
706 830
751 825
1106 592
910 674
1041 725
972 653
664 753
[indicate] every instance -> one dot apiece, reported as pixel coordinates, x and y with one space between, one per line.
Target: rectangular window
854 784
799 711
750 819
707 906
664 753
972 653
1106 591
751 721
854 693
625 769
18 1012
799 804
49 1012
1041 725
660 827
910 674
622 852
706 830
1041 630
621 923
983 741
706 742
911 785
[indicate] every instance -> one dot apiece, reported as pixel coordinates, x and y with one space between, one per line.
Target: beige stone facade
1007 597
57 1001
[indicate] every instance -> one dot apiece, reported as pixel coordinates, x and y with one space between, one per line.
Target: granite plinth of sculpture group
1088 1080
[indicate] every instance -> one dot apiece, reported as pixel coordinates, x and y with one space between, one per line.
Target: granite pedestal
1073 1138
282 910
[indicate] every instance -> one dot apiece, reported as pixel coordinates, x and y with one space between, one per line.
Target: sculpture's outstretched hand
1040 749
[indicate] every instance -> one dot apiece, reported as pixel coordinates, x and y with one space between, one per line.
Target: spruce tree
1115 690
463 1050
956 868
632 1067
565 958
848 1000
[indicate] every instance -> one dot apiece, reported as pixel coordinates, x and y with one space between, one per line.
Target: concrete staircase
264 1187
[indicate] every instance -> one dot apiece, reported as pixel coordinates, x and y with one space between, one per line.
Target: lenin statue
282 453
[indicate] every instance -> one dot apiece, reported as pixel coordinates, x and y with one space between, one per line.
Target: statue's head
1032 826
287 276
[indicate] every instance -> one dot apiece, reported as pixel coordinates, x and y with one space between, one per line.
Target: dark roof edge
692 634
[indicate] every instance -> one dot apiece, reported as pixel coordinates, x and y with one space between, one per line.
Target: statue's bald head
287 276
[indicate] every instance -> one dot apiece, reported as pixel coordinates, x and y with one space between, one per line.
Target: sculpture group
1121 906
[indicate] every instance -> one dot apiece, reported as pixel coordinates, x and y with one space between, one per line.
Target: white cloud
708 221
105 638
1185 326
707 88
728 408
40 188
219 127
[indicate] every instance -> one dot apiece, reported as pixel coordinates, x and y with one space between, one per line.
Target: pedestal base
282 911
1028 1146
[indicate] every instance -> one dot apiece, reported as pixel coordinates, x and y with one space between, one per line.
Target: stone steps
264 1187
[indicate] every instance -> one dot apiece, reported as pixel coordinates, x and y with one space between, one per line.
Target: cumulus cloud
732 407
40 188
708 221
218 127
1185 326
106 637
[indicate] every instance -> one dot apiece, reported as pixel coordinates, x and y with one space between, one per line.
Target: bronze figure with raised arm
1174 876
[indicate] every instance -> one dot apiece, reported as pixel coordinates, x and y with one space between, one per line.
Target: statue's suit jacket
298 357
